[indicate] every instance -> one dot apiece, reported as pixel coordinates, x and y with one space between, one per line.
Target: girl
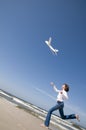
62 95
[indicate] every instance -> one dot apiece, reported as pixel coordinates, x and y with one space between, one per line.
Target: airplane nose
46 42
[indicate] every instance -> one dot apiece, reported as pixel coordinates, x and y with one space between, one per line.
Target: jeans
59 106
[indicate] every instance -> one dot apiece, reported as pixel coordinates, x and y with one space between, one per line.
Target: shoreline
14 118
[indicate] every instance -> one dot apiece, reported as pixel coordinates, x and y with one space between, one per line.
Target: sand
13 118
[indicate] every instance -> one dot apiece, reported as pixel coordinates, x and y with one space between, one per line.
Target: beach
17 114
13 118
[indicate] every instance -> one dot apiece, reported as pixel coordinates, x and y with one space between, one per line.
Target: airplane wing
50 39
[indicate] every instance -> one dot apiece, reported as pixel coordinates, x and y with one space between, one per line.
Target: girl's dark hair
66 87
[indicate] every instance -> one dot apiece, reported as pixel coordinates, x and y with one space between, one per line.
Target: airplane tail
56 51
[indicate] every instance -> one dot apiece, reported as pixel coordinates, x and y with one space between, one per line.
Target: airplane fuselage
51 48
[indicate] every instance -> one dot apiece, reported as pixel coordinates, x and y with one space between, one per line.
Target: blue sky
27 66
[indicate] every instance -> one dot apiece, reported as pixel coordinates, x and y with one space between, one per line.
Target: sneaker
77 117
42 125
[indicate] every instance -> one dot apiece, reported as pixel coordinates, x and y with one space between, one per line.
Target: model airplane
51 48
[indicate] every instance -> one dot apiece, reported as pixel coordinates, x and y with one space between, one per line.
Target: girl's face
63 87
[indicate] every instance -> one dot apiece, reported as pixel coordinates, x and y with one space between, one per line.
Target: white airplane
51 48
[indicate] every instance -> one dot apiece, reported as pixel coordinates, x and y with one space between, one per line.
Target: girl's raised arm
54 87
